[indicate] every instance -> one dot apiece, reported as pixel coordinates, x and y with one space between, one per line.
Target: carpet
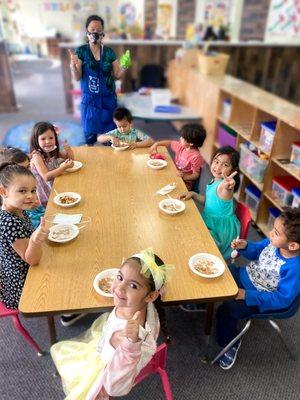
19 135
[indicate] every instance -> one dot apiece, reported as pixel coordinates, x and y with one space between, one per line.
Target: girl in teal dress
219 212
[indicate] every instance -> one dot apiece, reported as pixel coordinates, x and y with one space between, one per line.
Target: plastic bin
282 187
160 97
296 198
226 136
267 135
295 156
213 64
226 110
252 198
252 164
273 214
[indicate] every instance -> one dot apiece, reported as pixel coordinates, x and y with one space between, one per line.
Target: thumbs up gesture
74 60
132 328
125 60
41 233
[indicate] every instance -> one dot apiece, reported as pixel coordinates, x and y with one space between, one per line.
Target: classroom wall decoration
284 19
217 12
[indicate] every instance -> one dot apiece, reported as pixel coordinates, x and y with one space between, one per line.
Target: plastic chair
244 216
157 365
152 75
14 314
279 314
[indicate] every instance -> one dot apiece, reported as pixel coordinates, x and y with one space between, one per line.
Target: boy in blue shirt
270 282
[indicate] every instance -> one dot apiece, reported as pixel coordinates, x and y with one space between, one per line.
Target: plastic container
296 198
226 136
252 164
295 156
252 198
282 187
273 214
267 135
160 97
226 110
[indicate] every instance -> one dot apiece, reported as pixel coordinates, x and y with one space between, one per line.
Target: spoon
55 191
234 253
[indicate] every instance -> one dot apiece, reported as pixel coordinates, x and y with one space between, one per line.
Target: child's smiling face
123 126
47 141
21 193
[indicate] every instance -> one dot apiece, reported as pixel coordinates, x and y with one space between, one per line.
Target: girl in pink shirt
188 159
106 359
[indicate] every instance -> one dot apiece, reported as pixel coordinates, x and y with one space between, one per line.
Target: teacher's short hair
94 18
122 113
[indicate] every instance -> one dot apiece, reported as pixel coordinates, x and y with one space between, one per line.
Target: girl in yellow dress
105 360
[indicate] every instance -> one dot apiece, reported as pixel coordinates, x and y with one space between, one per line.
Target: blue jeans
230 313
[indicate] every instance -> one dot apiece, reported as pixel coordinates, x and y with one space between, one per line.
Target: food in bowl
206 267
122 144
171 206
105 284
156 163
67 199
61 234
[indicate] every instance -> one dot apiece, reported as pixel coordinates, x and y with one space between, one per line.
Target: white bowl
156 163
77 165
178 204
62 233
218 264
57 198
119 148
107 273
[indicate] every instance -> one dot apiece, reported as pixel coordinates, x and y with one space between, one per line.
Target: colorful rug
19 135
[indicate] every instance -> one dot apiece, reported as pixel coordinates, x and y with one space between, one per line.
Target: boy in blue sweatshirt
270 282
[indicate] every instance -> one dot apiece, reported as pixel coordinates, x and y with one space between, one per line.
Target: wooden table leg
52 331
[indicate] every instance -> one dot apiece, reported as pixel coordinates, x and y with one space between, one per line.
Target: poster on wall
217 12
164 19
81 10
284 19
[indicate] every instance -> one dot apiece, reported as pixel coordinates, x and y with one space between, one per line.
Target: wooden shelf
264 228
290 170
272 200
258 185
223 120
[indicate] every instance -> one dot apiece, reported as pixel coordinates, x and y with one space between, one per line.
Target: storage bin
226 136
226 109
296 198
295 156
273 214
252 164
160 97
267 135
213 63
282 187
252 198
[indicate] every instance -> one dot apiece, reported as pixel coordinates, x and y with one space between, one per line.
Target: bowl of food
206 265
62 233
171 206
121 147
77 165
67 199
156 163
103 281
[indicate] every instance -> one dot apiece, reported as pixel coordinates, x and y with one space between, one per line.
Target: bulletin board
283 21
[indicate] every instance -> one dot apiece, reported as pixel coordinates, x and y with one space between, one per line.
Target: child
270 282
45 163
188 159
125 132
17 156
20 247
218 213
106 359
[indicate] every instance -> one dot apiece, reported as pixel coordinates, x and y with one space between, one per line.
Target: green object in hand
125 60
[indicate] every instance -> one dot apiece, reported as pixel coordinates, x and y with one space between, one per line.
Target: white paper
166 189
67 219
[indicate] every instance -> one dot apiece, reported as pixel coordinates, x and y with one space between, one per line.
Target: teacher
97 67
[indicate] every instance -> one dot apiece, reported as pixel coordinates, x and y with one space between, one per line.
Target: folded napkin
166 189
67 218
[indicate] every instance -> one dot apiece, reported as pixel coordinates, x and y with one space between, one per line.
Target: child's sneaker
70 319
228 359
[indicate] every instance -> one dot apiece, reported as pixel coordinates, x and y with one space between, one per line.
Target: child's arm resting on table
108 137
43 170
153 148
192 195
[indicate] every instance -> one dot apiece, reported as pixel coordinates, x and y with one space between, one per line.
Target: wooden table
118 193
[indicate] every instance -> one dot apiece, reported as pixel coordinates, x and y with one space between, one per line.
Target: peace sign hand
229 182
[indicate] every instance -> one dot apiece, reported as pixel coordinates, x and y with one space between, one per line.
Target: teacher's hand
74 60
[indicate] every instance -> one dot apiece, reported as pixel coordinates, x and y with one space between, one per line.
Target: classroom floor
263 369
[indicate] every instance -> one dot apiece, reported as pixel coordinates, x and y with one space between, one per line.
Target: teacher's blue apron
98 103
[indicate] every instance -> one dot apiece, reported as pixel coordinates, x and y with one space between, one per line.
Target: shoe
228 359
70 319
192 307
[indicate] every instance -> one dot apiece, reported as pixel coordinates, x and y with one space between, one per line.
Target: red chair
14 314
243 214
157 365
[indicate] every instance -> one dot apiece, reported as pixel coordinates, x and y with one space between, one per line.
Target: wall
186 14
254 19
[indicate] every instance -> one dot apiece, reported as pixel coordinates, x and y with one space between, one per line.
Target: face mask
95 37
52 149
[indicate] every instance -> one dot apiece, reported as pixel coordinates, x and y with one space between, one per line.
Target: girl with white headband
106 359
